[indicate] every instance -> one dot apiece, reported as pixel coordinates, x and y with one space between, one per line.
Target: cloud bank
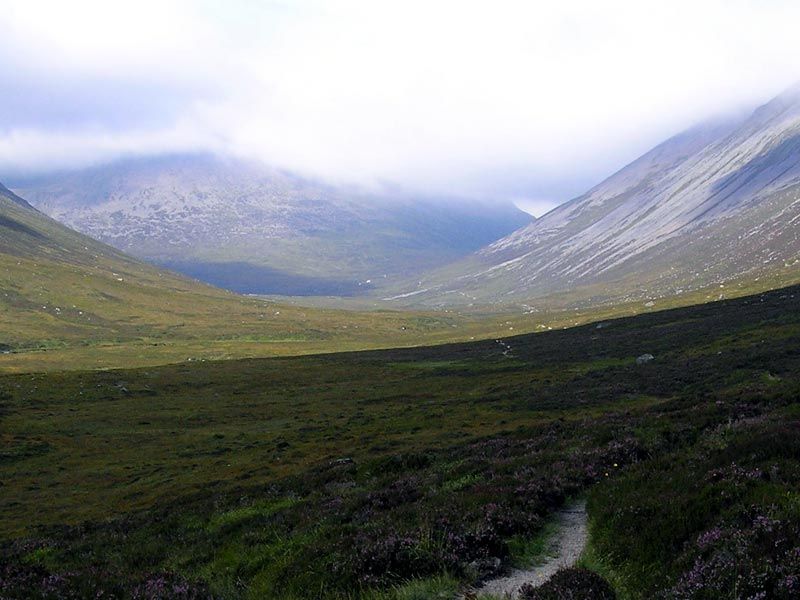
533 101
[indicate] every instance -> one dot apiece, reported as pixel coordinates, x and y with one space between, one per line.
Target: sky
523 100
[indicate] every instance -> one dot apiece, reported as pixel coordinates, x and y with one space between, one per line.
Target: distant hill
718 203
58 286
253 229
68 301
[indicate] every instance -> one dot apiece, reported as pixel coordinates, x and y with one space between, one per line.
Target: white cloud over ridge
520 99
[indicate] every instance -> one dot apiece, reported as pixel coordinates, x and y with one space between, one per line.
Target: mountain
60 288
717 203
28 235
9 196
68 301
254 229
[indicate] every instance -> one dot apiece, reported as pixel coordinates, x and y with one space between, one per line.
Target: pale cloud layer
533 101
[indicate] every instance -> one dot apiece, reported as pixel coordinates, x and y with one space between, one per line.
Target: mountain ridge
247 222
68 301
7 193
680 217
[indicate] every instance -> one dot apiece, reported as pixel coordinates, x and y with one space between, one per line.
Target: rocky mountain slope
716 203
59 287
254 229
68 301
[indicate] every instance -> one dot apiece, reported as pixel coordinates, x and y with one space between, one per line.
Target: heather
413 473
570 584
718 519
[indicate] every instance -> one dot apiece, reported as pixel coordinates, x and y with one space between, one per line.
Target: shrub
166 586
33 582
757 559
570 584
23 582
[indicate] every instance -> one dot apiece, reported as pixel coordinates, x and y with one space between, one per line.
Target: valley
399 301
70 302
420 469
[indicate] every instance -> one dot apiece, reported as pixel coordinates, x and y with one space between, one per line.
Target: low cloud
536 206
510 99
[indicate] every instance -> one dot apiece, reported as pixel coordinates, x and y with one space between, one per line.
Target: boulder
644 359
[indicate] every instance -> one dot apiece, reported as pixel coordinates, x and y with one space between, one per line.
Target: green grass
245 515
441 587
593 560
69 302
648 529
368 474
529 551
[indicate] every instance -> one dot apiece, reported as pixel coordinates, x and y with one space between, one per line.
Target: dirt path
566 547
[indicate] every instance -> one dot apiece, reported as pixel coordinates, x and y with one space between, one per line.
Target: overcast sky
511 99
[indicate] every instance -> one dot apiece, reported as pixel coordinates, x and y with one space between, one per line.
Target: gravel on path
565 549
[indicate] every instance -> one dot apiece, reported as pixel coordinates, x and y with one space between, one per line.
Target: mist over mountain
254 229
710 205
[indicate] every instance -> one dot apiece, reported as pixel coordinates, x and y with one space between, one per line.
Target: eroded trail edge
565 548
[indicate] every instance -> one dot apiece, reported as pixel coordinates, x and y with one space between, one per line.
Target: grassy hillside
407 473
67 301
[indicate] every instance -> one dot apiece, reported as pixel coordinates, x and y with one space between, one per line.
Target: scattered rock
644 359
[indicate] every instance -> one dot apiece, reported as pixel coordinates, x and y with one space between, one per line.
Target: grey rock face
242 221
711 204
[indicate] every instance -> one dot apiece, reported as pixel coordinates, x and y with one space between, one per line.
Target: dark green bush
570 584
